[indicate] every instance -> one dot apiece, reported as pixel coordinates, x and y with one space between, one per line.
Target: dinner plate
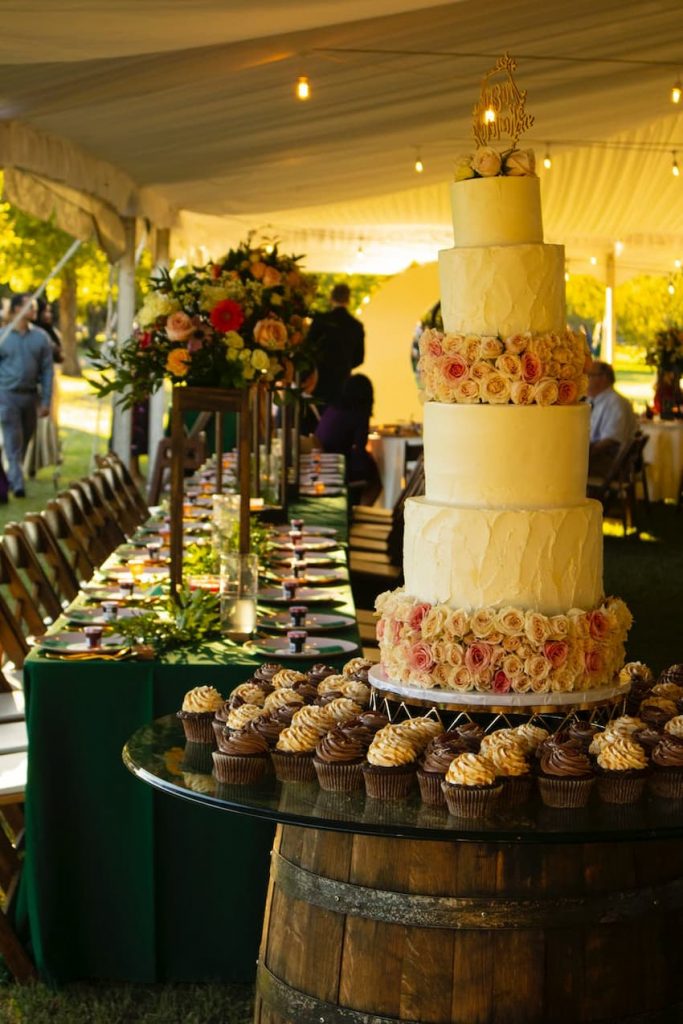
315 647
97 592
280 622
279 564
329 492
94 617
304 595
309 531
152 574
307 544
312 577
76 643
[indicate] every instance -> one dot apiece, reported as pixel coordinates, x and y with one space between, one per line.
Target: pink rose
417 615
179 326
420 657
271 277
270 333
478 657
593 662
431 343
454 369
556 651
567 392
532 367
521 393
521 162
598 625
486 162
381 626
394 631
501 683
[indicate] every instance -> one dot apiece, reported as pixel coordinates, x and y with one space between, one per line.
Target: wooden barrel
373 930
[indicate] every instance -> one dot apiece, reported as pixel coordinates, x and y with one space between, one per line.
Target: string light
419 166
303 88
360 255
676 91
547 160
618 248
675 169
671 288
489 115
594 261
677 264
366 299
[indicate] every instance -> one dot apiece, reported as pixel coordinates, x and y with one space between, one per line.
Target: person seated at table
613 421
344 428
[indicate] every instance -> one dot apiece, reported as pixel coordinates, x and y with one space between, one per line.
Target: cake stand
386 912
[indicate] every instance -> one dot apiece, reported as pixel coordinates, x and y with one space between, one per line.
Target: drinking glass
225 520
238 591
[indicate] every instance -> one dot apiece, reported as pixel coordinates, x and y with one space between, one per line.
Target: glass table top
159 755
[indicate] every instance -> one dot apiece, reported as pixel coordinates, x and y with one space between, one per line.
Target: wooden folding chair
101 512
13 767
194 456
25 561
126 483
58 518
127 515
617 488
46 548
95 523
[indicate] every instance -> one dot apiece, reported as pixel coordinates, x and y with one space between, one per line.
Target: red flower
227 315
145 339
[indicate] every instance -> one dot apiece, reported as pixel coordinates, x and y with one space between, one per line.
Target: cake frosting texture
497 211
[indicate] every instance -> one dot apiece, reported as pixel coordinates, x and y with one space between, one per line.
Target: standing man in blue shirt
26 373
613 421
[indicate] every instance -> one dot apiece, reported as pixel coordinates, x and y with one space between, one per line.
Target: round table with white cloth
389 452
663 457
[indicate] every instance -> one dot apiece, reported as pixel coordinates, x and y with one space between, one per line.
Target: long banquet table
120 882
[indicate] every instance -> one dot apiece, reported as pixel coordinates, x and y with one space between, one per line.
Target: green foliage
585 300
645 306
362 286
189 621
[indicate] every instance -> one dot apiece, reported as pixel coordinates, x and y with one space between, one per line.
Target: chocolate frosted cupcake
471 733
327 698
641 679
284 715
243 758
389 771
357 668
293 753
565 775
583 732
307 691
338 761
263 675
436 761
622 769
278 699
199 707
268 727
648 737
421 730
657 711
246 693
672 691
672 674
674 727
514 771
666 779
318 672
470 786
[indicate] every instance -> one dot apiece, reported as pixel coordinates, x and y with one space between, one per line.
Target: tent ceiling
189 105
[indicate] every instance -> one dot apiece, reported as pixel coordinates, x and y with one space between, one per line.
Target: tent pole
609 331
158 399
123 420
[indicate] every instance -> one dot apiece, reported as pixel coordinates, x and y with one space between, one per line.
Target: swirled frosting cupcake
641 680
565 776
510 759
316 717
390 768
357 668
421 730
338 761
307 691
293 754
471 733
672 691
199 707
529 736
622 767
666 779
582 732
241 716
318 672
434 764
331 684
672 674
674 727
657 711
278 699
470 786
287 678
243 758
268 727
354 689
343 709
246 693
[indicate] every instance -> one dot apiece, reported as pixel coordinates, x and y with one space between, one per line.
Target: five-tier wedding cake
503 556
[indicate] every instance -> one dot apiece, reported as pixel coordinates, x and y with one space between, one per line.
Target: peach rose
522 393
559 627
431 344
517 343
486 162
509 365
495 389
478 657
536 628
271 334
521 684
433 622
178 362
443 676
546 392
512 643
179 326
567 392
466 391
567 371
552 369
562 354
420 657
532 367
512 666
520 162
490 348
556 651
271 277
463 169
537 667
452 344
598 625
469 348
462 679
482 622
510 621
457 623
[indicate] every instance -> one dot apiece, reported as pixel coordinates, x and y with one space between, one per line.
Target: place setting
301 617
92 642
297 644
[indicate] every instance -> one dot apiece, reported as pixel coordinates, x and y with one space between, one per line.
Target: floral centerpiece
221 325
665 351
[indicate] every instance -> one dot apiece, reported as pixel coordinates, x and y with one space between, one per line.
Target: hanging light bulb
303 88
419 166
677 264
594 261
676 91
618 247
489 115
671 288
567 275
675 169
547 160
360 255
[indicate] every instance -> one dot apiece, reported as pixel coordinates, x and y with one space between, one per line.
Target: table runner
120 882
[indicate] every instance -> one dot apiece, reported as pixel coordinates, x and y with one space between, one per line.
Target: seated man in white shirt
613 421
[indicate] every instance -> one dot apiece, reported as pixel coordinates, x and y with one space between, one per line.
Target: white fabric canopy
182 112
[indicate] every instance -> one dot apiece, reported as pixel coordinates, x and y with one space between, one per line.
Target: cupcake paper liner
293 767
388 783
430 788
517 789
339 777
241 770
198 726
471 801
565 792
667 783
621 787
218 727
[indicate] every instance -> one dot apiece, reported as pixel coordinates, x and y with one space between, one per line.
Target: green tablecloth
121 882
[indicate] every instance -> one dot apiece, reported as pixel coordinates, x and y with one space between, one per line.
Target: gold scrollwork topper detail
500 112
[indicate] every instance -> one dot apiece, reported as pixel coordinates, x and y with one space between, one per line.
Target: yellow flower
259 360
156 304
248 372
234 340
178 362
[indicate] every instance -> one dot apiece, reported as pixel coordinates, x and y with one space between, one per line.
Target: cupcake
513 769
565 775
641 680
343 709
318 672
307 691
287 678
529 736
657 711
284 714
470 786
373 720
666 779
246 693
357 668
622 768
331 684
199 706
293 754
338 761
278 698
243 758
583 732
221 716
493 739
471 733
356 690
241 716
264 674
674 727
672 674
648 737
421 730
389 771
268 727
672 691
435 762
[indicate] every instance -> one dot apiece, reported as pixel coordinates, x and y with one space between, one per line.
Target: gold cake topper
500 111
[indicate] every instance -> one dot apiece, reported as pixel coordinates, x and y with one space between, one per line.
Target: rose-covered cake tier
503 555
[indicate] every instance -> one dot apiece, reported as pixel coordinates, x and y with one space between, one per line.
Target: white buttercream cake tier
497 211
506 455
548 560
503 290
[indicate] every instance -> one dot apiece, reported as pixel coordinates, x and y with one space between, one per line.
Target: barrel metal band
293 1005
485 913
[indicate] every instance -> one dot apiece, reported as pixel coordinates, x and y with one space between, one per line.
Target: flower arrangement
524 369
487 162
665 351
222 325
498 650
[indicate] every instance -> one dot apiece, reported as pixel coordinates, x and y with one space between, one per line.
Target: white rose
486 162
495 388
